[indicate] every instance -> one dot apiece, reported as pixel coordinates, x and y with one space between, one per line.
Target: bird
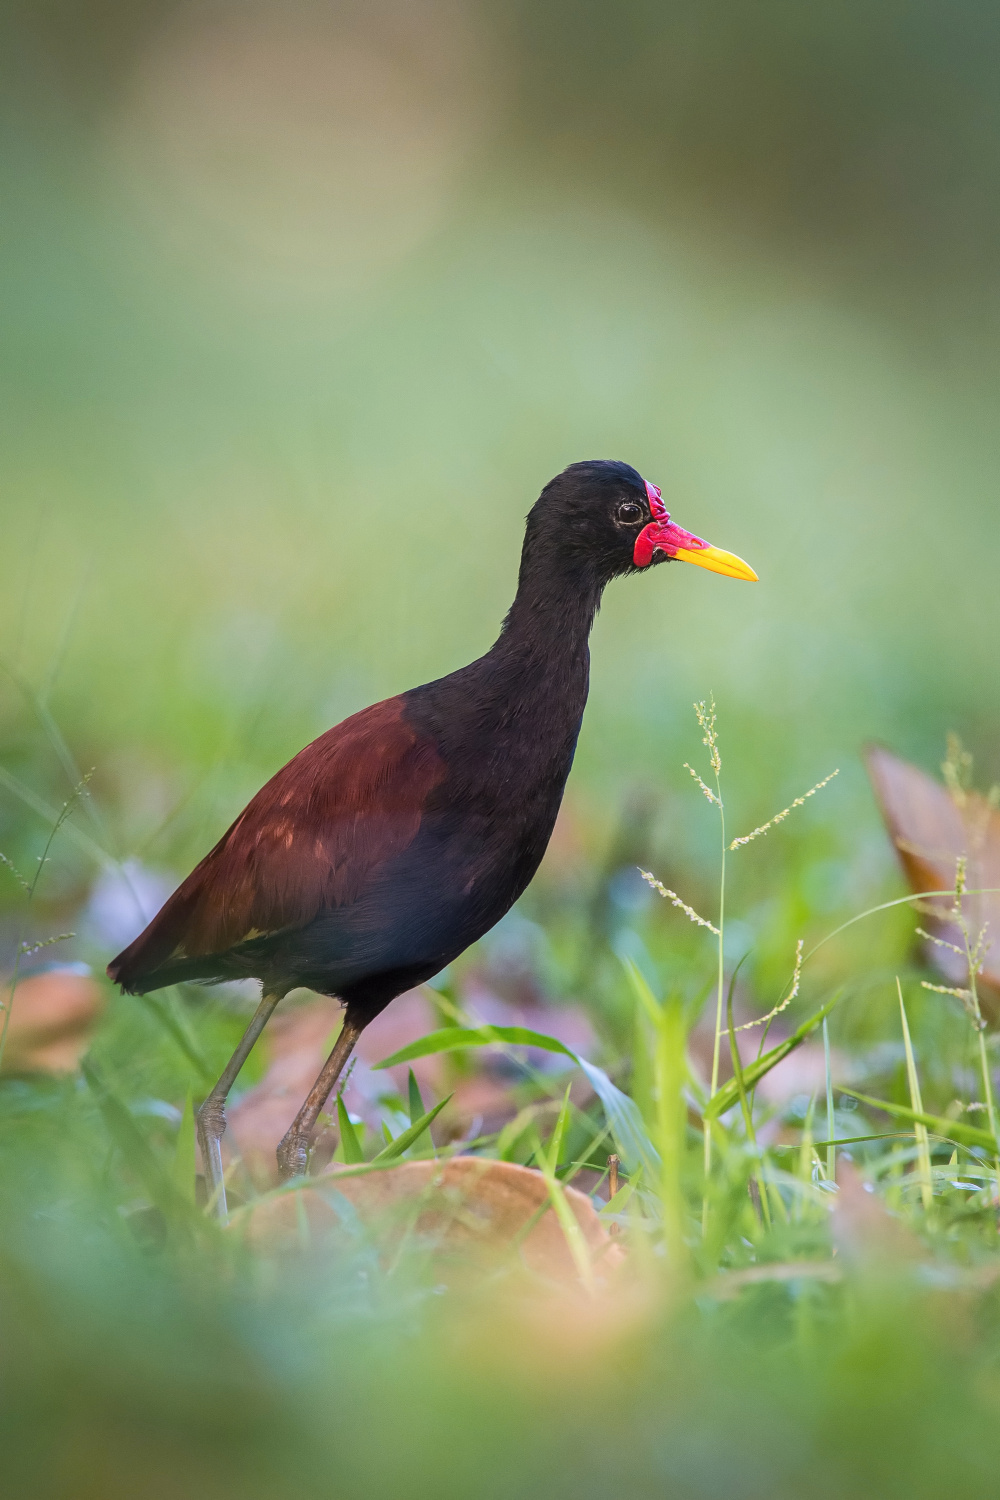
399 837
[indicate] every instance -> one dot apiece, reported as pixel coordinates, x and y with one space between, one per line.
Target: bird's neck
524 699
537 671
544 639
507 724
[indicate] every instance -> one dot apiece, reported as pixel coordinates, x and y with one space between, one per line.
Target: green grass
767 1339
241 501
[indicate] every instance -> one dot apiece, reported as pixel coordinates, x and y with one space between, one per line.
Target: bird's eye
629 512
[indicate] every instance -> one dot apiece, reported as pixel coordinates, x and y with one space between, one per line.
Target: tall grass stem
916 1103
831 1150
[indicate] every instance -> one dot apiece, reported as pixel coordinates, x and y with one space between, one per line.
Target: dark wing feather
308 841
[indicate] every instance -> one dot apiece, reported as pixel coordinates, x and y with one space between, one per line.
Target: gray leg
212 1114
293 1153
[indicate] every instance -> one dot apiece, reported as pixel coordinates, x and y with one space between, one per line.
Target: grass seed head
793 991
956 768
706 789
780 817
24 884
706 719
675 900
961 879
967 998
940 942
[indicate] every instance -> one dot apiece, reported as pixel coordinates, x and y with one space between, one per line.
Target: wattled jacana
396 839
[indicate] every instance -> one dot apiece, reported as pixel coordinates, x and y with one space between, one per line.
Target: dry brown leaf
472 1211
51 1020
930 831
864 1231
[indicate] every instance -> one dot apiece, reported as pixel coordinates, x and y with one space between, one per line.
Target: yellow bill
716 560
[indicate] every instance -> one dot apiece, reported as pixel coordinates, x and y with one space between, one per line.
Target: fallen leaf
51 1020
864 1231
930 831
472 1212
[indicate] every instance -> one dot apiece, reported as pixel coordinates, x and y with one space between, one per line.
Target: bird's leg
293 1152
212 1114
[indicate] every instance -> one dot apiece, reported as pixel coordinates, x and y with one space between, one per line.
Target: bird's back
307 843
381 850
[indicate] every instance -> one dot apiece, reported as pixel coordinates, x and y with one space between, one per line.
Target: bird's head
605 518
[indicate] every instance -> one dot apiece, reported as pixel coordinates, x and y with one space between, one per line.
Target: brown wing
930 830
307 841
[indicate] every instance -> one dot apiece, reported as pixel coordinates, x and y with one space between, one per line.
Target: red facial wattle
663 535
657 509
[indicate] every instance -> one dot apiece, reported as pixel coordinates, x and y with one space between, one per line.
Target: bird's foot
211 1126
293 1155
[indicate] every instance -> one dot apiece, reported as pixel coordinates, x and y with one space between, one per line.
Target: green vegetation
281 374
769 1333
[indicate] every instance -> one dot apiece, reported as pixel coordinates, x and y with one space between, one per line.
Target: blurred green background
303 304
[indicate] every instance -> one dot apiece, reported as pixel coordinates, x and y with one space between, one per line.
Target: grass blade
513 1131
728 1094
671 1127
572 1233
950 1130
158 1007
350 1144
642 991
831 1150
919 1129
617 1204
416 1103
452 1038
734 1053
622 1112
184 1156
634 1145
133 1146
558 1137
406 1139
45 810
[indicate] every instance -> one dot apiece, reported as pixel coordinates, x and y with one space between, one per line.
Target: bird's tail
156 957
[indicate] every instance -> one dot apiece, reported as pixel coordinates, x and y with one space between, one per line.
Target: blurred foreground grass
302 305
768 1334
